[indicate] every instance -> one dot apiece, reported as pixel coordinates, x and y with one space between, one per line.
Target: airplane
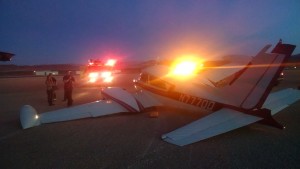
229 99
4 56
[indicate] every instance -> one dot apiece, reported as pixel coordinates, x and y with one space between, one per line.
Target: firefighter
68 80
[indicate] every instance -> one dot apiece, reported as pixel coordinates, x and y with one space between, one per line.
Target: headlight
93 77
107 77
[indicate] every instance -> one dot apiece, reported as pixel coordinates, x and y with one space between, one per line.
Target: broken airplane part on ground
232 100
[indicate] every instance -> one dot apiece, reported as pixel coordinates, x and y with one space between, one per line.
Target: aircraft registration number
196 101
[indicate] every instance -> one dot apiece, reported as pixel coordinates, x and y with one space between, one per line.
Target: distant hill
63 67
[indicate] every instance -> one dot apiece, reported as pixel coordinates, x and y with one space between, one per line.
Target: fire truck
100 72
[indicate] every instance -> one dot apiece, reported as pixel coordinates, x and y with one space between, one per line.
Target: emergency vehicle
99 72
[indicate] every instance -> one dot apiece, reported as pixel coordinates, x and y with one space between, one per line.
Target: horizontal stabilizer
219 122
279 100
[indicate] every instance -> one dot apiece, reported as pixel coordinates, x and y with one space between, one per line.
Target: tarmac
134 140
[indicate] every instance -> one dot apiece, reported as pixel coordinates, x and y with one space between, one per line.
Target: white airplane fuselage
178 92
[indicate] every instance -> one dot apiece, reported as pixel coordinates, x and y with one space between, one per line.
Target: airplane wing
29 117
225 120
117 100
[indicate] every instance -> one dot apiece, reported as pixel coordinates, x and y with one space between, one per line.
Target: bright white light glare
185 68
111 62
106 74
93 77
93 74
107 77
36 116
92 80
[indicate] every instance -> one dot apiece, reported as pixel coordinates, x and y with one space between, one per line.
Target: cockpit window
154 81
158 83
144 77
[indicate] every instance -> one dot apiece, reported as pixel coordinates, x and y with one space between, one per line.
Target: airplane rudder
286 49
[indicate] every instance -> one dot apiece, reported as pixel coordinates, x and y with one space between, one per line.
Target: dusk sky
73 31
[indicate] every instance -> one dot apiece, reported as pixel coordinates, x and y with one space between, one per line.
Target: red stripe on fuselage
184 98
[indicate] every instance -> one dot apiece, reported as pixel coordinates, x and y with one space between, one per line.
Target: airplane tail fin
253 86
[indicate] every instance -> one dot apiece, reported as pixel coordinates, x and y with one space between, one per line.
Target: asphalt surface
133 141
